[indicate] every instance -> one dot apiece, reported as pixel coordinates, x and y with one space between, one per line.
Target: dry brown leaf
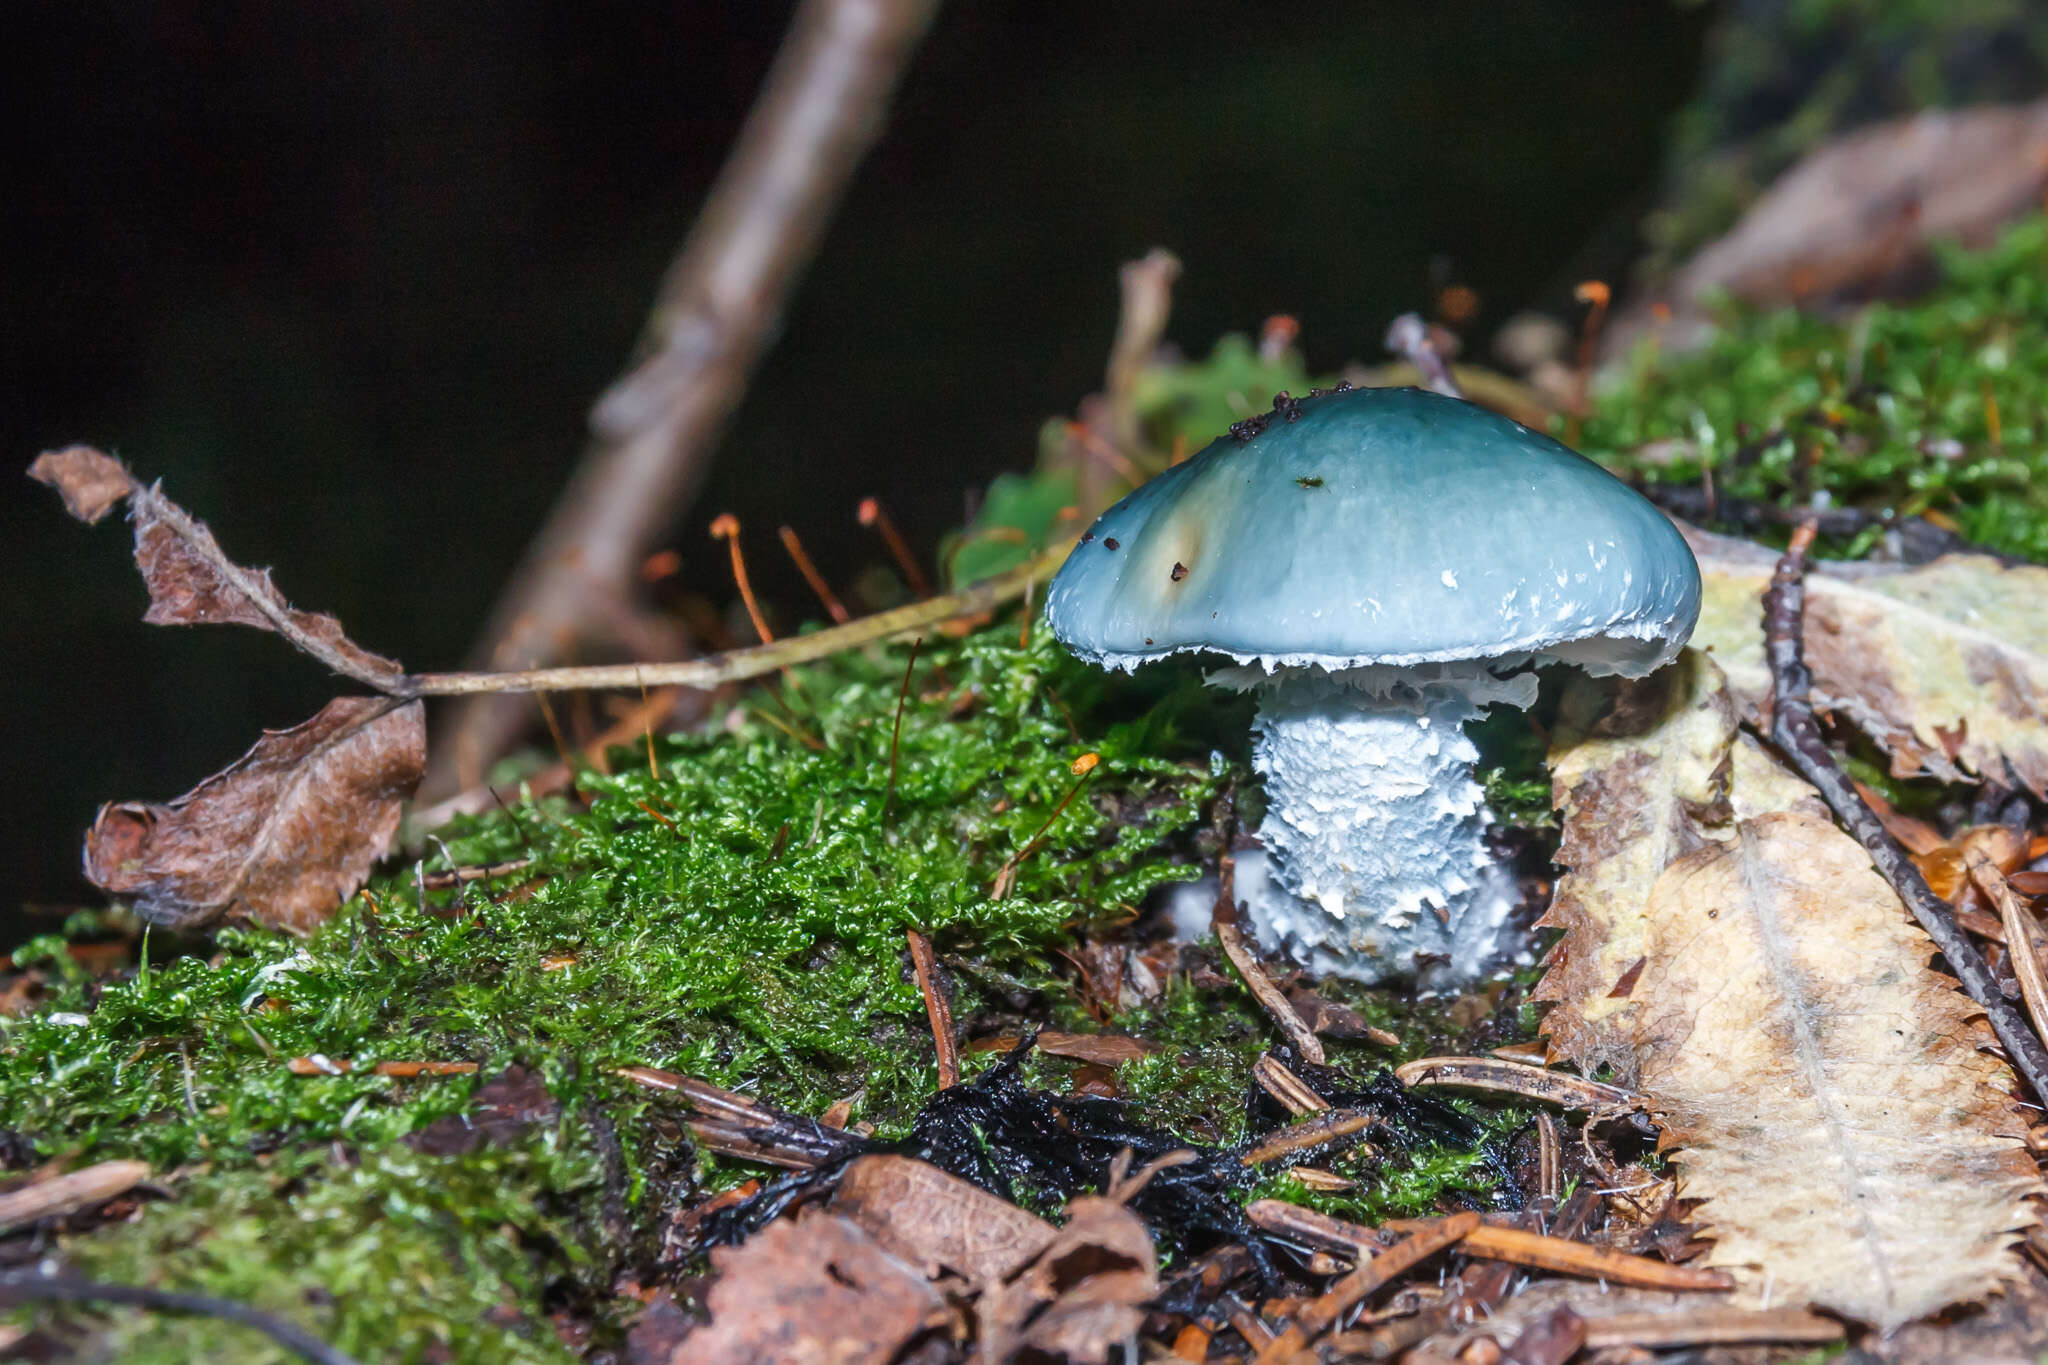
1944 665
191 580
928 1218
89 482
1081 1298
1827 1094
282 836
813 1290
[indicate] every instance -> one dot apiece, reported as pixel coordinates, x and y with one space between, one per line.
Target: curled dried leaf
282 836
814 1288
89 481
191 580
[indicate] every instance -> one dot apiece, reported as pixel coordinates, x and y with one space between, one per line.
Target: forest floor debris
533 1073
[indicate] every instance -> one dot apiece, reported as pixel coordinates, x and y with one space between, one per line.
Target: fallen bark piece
813 1290
1826 1093
280 837
1944 665
928 1218
71 1192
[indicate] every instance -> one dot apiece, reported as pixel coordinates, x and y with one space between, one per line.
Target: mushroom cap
1381 526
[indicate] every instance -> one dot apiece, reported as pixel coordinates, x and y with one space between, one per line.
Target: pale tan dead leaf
813 1290
1643 774
928 1218
1826 1094
89 481
1731 952
1945 665
282 836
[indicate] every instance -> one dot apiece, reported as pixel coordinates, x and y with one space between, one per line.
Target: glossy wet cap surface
1381 526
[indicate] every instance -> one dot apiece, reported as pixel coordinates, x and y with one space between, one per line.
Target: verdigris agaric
1380 565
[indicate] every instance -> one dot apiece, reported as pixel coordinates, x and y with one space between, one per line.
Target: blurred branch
653 432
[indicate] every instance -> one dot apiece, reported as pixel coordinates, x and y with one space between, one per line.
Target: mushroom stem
1377 866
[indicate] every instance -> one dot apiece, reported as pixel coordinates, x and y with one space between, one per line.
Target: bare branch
720 303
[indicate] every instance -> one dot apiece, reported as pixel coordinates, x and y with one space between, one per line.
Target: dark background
347 276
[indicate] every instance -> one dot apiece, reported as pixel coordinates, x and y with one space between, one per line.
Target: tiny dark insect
1180 571
1109 543
1343 386
1310 481
1148 639
1087 536
1286 405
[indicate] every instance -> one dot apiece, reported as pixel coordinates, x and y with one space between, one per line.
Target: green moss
1933 407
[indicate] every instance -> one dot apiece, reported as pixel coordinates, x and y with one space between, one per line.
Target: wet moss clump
1932 408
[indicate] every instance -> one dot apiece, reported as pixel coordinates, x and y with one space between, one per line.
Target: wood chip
64 1194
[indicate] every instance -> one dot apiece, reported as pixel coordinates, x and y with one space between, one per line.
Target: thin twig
1515 1078
753 661
719 306
27 1286
1325 1312
937 1008
1797 735
1147 301
1224 921
1291 1091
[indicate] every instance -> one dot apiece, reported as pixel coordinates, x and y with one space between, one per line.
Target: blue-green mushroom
1379 565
